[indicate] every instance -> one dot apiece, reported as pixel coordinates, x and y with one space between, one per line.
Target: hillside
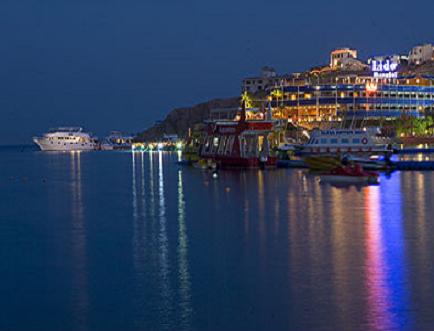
179 120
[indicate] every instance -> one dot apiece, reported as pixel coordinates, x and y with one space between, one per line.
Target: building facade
268 79
342 56
421 54
223 113
353 99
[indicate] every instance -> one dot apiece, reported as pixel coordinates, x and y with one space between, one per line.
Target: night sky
123 64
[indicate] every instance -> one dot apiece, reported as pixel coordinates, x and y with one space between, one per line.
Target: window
356 141
222 144
207 148
229 144
323 141
333 141
249 143
344 141
215 144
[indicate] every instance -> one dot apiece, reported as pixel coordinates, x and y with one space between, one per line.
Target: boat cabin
239 143
343 141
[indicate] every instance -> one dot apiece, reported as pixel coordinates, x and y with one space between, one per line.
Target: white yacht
117 141
350 141
66 139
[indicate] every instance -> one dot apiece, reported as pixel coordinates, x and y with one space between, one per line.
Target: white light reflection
163 246
151 186
139 209
184 274
78 236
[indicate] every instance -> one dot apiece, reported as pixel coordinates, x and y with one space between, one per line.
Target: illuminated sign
384 69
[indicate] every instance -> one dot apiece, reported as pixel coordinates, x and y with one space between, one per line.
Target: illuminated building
350 90
421 54
341 55
356 98
262 83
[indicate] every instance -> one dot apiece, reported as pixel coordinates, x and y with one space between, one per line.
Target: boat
289 159
374 162
345 141
349 175
205 164
117 141
322 162
66 139
329 162
195 139
291 163
239 143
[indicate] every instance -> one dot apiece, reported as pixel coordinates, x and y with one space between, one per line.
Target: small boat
192 146
322 162
329 162
349 175
372 163
117 141
291 163
205 164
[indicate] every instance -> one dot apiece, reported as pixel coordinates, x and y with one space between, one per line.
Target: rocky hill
179 120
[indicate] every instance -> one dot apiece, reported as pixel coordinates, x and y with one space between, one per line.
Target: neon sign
384 69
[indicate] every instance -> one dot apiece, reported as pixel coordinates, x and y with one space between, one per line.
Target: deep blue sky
122 64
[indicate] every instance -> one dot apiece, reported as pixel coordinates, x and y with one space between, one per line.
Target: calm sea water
116 241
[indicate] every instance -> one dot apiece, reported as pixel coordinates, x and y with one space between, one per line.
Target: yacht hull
46 145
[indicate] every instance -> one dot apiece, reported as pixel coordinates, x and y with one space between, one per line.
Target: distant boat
117 141
66 139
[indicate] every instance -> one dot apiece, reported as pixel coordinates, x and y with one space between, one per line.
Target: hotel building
381 91
355 99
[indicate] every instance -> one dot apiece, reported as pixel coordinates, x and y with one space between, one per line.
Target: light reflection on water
78 237
183 264
157 246
166 292
379 315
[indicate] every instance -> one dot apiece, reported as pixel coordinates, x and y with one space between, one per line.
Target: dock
409 150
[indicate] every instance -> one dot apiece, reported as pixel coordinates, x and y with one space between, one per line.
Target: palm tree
247 99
